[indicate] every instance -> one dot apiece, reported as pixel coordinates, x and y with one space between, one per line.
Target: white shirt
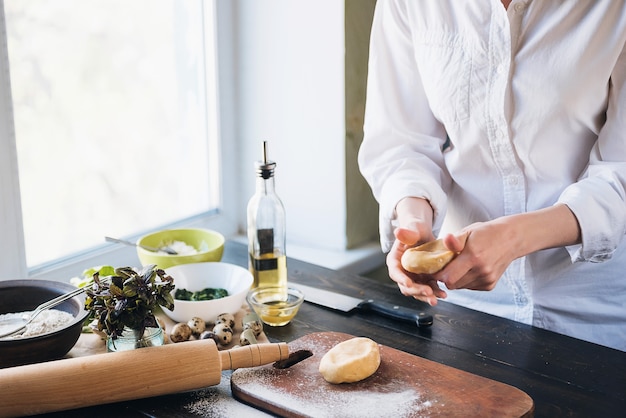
533 103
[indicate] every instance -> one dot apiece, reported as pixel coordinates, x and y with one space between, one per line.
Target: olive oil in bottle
266 229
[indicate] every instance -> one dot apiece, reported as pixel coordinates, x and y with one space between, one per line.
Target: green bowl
210 246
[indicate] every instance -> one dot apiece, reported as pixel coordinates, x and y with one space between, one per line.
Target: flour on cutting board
322 402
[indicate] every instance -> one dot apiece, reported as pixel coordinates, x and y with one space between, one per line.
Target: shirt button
519 7
500 69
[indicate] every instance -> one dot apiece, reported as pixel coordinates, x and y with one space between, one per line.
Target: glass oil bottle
266 229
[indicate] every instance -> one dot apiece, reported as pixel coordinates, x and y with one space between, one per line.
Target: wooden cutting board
403 386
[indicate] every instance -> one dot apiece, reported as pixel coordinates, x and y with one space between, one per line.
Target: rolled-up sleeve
598 199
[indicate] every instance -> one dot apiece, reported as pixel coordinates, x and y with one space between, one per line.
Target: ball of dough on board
350 361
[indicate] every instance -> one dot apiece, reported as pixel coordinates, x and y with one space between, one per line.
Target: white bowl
198 276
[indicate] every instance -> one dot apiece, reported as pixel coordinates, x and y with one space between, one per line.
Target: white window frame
12 249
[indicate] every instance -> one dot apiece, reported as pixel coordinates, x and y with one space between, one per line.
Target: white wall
290 90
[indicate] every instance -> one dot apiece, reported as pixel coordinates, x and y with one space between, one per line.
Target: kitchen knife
345 303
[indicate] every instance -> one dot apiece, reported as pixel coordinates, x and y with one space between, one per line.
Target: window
281 75
115 124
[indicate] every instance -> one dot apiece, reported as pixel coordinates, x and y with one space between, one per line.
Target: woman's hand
486 249
422 287
414 217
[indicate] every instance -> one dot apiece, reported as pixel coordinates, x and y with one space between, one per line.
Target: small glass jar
129 340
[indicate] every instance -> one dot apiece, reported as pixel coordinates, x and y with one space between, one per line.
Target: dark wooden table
566 377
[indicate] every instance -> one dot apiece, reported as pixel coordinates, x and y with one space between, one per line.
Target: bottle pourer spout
265 167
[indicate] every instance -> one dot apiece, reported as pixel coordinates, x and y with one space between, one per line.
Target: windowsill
358 260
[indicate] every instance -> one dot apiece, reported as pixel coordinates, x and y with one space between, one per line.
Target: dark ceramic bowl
26 295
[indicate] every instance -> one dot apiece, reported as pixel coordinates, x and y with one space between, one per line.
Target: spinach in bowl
208 293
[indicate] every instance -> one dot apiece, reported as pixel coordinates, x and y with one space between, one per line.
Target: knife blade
344 303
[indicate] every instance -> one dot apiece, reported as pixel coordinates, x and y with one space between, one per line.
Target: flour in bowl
182 248
45 322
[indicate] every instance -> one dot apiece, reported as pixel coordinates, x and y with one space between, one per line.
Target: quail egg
224 333
247 337
226 318
197 325
209 335
180 332
251 321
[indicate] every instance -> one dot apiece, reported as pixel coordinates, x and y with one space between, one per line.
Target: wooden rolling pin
113 377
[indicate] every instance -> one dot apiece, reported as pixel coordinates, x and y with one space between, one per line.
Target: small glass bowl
276 306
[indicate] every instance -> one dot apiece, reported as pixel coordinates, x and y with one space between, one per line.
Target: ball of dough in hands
427 258
350 361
